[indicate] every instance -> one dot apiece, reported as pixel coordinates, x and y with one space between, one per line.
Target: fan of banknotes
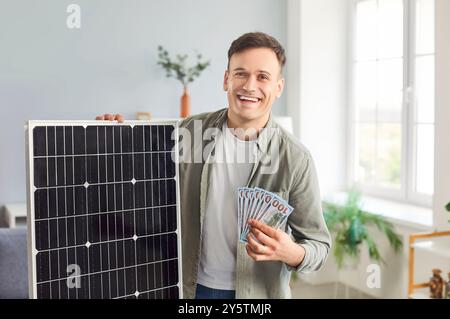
259 204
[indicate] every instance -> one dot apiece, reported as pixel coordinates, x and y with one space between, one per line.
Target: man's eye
240 74
263 77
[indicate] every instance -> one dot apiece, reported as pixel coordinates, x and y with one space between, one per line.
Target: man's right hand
110 117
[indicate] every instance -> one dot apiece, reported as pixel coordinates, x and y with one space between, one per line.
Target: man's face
253 82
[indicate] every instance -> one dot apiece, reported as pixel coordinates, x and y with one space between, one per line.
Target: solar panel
103 210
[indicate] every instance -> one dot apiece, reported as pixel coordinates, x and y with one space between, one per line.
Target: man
215 263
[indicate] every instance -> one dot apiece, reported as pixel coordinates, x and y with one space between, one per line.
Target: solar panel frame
29 151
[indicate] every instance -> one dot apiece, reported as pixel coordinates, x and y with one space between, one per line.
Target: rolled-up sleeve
306 221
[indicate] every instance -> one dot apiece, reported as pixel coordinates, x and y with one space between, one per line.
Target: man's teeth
248 98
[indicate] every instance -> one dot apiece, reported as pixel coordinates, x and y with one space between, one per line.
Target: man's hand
110 117
274 244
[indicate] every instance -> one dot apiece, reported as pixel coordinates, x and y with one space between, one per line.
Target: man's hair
257 40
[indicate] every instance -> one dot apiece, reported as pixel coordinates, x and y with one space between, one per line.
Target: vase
185 109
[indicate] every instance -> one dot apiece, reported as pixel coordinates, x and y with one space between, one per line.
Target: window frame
406 193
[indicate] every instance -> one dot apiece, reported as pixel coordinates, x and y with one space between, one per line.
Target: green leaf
373 250
447 207
348 223
178 68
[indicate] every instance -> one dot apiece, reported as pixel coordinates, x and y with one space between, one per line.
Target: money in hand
261 205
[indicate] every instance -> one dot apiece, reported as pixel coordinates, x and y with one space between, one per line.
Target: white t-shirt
233 164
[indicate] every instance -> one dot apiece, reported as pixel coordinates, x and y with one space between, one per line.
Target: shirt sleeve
306 221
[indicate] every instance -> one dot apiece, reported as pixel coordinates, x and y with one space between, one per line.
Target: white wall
317 94
442 129
48 71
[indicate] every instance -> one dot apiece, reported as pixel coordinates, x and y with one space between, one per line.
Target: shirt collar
264 137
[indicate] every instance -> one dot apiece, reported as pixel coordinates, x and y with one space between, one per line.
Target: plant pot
185 109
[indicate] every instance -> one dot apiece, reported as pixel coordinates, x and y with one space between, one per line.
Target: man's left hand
274 244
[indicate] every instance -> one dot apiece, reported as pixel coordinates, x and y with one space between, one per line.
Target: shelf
419 295
437 243
411 216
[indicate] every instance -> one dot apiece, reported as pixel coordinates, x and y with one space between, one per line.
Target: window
392 99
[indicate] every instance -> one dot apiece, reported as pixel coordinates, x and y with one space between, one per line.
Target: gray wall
48 71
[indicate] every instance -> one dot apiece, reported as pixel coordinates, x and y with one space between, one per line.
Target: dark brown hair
257 40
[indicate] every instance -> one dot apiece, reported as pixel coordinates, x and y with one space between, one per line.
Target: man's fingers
250 252
253 255
110 117
119 118
255 246
269 231
263 238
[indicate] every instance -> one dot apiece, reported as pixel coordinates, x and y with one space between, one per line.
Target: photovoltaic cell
103 215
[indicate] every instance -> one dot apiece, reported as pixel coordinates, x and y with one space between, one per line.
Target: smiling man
215 263
253 81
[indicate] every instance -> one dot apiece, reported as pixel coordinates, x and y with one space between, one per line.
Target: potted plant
348 225
178 69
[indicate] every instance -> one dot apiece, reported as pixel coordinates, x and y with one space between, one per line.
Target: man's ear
225 81
280 86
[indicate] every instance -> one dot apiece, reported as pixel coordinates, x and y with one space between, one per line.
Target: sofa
13 263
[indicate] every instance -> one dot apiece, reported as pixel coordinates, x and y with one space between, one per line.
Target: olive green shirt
284 167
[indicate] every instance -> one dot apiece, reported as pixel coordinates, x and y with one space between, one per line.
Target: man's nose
250 84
